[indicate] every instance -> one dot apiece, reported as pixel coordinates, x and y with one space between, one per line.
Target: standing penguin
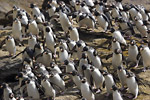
32 90
73 33
132 84
115 44
109 82
55 68
121 71
79 48
32 41
86 90
38 49
10 45
116 94
49 91
17 30
33 27
133 53
69 66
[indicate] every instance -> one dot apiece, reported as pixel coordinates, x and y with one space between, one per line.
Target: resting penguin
10 45
86 90
73 33
32 90
109 82
133 53
116 94
49 91
132 84
6 91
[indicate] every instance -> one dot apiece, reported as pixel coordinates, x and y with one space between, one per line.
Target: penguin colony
51 55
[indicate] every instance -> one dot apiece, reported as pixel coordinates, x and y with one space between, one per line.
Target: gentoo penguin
118 36
117 58
69 66
6 91
98 77
145 54
86 90
17 30
10 45
96 61
141 27
58 81
32 41
116 93
121 71
49 91
133 53
33 27
73 33
64 20
132 84
109 82
32 90
102 19
63 55
83 60
50 40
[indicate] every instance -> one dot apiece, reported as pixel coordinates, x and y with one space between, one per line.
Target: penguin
83 60
117 58
17 30
10 45
121 72
114 45
50 40
33 27
86 90
49 91
79 48
118 36
51 10
73 33
69 66
63 55
119 4
109 82
98 77
102 20
77 5
96 61
27 61
58 81
132 84
133 53
32 90
145 54
99 6
32 41
115 12
84 8
63 43
89 51
116 93
6 91
38 49
143 13
11 96
89 3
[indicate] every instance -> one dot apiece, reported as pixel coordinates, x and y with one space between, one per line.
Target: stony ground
96 39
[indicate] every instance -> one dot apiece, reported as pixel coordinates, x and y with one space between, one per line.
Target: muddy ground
96 39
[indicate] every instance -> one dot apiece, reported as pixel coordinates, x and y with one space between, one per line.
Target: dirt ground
96 39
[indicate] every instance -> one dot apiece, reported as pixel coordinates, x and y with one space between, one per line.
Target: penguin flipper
104 84
108 56
91 89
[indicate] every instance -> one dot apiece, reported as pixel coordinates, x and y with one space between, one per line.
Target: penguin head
38 46
78 2
84 55
78 43
117 51
119 68
132 42
11 95
27 60
96 2
4 85
96 13
104 72
95 53
114 40
27 81
15 7
52 64
47 29
114 88
74 73
141 48
70 28
8 37
129 74
86 48
83 80
51 75
20 75
61 49
32 5
112 30
92 68
84 67
49 6
66 62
